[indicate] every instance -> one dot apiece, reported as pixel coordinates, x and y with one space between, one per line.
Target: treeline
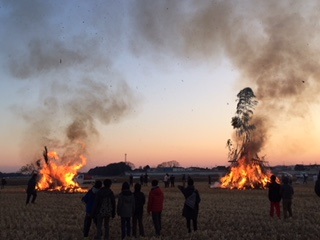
113 169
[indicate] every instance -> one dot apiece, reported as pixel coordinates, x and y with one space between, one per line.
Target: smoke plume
273 44
69 61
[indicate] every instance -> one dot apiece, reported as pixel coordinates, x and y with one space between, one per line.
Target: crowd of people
101 206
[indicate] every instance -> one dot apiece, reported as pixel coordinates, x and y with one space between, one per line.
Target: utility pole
125 158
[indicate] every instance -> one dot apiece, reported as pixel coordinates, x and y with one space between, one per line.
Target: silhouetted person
104 208
286 194
274 196
32 189
131 180
3 183
172 178
183 180
155 205
141 179
89 200
305 178
191 205
146 179
139 200
125 209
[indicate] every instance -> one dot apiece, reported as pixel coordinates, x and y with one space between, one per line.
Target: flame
58 174
246 175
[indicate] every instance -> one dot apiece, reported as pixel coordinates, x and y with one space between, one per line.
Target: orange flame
59 175
246 175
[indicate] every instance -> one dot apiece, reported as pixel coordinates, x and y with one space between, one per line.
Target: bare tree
169 164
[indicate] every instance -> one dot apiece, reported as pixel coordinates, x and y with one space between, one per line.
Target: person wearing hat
191 204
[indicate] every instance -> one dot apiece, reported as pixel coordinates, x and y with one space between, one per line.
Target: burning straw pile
248 170
57 174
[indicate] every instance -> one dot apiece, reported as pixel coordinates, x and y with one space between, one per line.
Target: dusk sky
157 80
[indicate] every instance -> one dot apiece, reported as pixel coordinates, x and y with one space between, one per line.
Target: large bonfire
247 169
58 173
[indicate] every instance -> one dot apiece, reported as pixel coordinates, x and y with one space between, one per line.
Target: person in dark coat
139 200
125 209
3 183
32 189
155 205
191 205
104 208
89 199
286 195
274 196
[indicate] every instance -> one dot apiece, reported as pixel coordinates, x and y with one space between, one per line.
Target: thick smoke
65 51
273 44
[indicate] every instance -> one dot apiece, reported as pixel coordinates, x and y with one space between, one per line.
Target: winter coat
126 204
274 192
140 200
32 183
89 199
192 199
104 204
286 192
155 201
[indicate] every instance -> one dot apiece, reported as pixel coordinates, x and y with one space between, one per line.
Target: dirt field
224 214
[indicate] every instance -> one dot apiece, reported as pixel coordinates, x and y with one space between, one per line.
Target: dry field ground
224 214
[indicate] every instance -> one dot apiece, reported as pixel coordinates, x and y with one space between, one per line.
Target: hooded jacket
126 204
89 199
155 201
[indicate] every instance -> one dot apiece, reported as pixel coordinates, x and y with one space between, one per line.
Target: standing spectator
305 178
209 180
183 180
155 205
125 209
286 194
139 200
191 205
89 199
317 185
3 182
104 208
32 188
146 177
166 180
131 180
141 179
274 196
172 178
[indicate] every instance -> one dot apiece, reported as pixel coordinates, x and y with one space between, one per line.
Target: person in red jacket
155 205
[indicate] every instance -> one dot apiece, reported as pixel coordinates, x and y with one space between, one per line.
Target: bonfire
247 169
58 174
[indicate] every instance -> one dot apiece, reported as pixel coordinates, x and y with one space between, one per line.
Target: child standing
125 209
139 199
89 199
274 196
104 209
286 194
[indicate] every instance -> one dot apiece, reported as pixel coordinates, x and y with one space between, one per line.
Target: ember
248 170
